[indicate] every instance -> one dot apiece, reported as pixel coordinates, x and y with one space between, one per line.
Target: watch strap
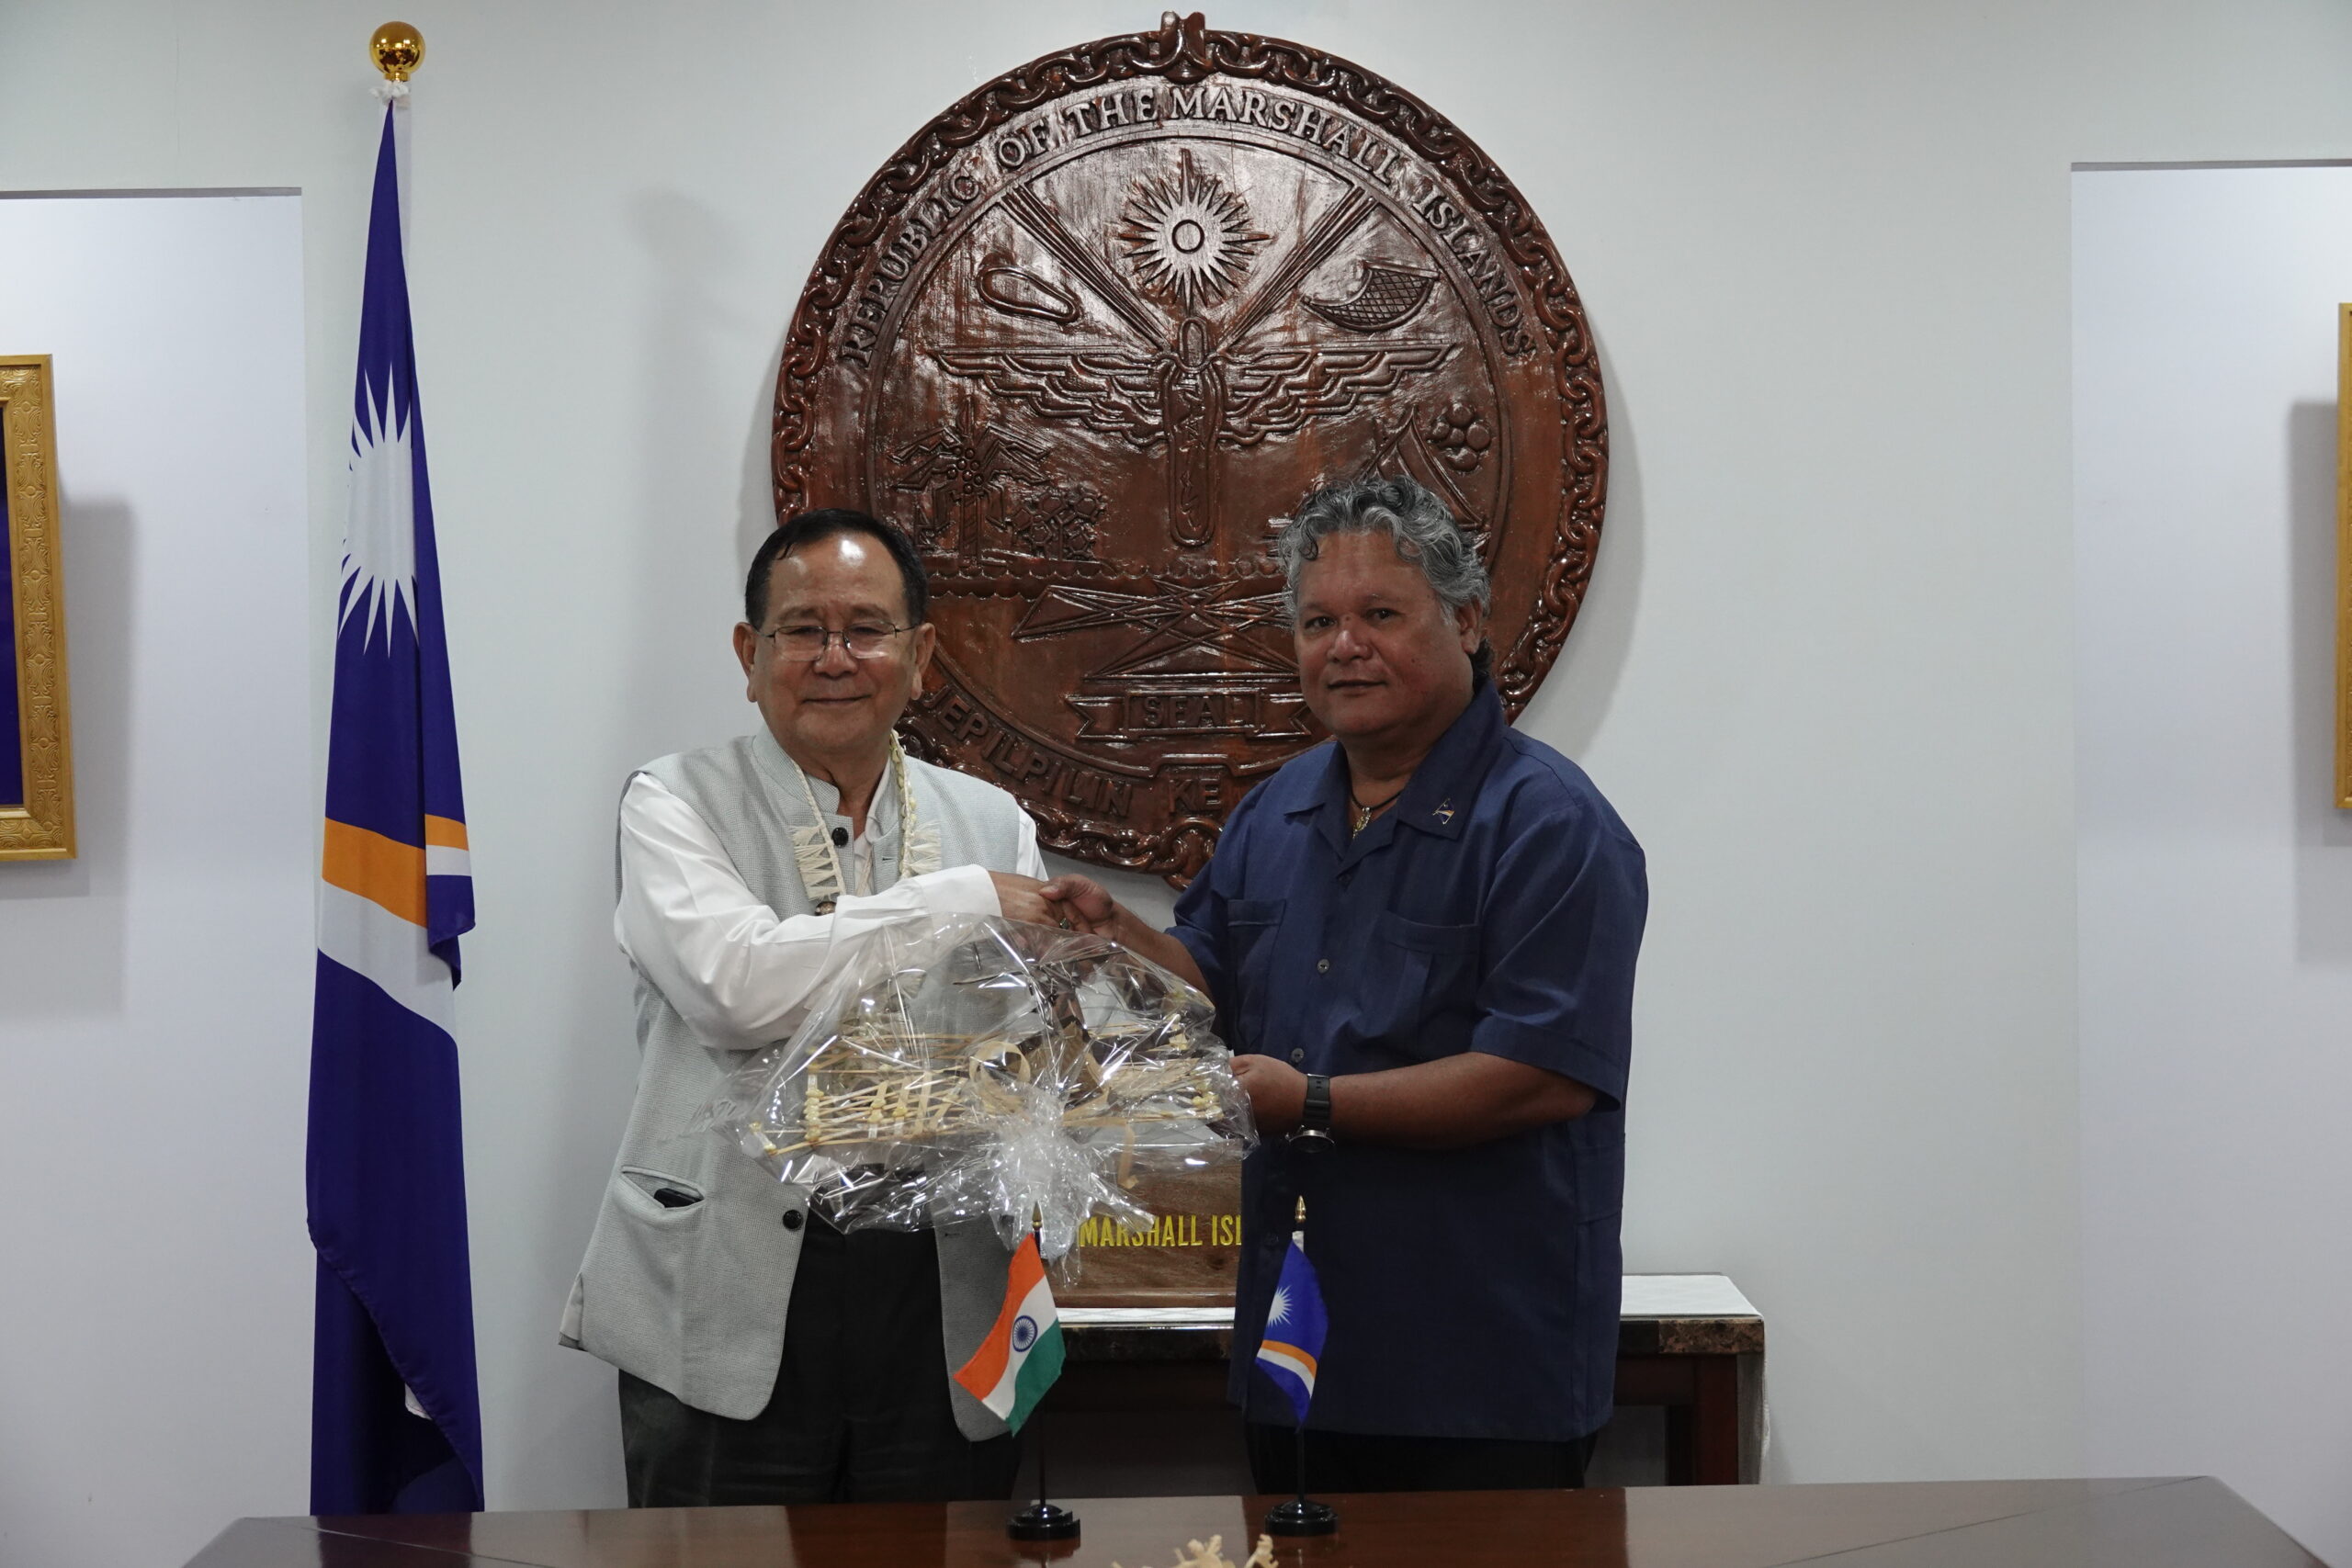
1316 1116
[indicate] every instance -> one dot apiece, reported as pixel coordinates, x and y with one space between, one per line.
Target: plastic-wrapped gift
979 1067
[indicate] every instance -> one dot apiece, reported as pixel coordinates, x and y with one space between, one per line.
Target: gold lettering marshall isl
1094 330
1187 1257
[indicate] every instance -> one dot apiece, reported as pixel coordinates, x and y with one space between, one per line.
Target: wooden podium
1185 1259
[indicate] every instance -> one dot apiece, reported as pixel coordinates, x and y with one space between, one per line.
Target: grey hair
1416 522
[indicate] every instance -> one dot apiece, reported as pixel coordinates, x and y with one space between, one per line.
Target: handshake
1074 903
1080 903
1277 1091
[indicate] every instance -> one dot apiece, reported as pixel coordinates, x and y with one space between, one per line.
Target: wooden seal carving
1094 330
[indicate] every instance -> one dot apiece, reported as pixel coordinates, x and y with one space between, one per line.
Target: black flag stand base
1302 1515
1041 1521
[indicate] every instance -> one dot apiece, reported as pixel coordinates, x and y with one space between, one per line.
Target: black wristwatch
1314 1129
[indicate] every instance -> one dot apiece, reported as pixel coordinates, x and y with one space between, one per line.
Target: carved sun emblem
1188 236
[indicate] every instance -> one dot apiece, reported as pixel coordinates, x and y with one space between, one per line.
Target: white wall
2216 872
155 992
1825 671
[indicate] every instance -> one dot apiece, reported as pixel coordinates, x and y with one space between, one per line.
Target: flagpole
395 1400
1302 1515
1041 1521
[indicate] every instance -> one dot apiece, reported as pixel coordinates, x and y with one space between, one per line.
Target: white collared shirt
736 971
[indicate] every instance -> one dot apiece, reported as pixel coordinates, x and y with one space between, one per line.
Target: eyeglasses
806 644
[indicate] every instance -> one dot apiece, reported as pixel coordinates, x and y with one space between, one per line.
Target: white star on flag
379 546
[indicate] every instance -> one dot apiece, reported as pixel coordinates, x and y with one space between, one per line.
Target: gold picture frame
35 730
2344 557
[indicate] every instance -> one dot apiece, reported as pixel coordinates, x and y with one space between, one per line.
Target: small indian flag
1023 1354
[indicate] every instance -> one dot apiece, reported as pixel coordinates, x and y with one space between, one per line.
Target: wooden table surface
2176 1523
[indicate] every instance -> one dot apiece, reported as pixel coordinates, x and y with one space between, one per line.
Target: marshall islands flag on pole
395 1419
1023 1354
1294 1329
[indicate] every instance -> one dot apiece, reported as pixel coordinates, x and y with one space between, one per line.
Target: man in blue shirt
1420 939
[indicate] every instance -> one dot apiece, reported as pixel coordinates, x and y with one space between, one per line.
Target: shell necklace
820 859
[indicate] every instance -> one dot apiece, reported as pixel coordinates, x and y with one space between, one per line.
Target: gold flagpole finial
398 50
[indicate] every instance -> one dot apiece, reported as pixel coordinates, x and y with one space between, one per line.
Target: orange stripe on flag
444 833
381 870
986 1369
1274 1350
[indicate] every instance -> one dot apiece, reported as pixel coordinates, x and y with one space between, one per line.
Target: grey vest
693 1298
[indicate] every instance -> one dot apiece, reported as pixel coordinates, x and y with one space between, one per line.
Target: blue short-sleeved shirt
1498 907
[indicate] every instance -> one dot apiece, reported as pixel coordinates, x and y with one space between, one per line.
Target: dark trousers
1349 1462
859 1413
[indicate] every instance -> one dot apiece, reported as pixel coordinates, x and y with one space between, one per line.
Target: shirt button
1298 1054
1322 966
792 1218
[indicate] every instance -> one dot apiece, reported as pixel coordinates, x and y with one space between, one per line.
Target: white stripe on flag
444 862
1038 1307
1291 1362
370 940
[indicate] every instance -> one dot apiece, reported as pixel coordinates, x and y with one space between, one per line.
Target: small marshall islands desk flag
1287 1353
1294 1329
395 1419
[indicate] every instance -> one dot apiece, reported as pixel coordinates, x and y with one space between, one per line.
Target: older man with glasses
1421 939
765 1356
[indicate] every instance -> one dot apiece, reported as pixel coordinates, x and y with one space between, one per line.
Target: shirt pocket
1249 926
657 1197
1427 972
